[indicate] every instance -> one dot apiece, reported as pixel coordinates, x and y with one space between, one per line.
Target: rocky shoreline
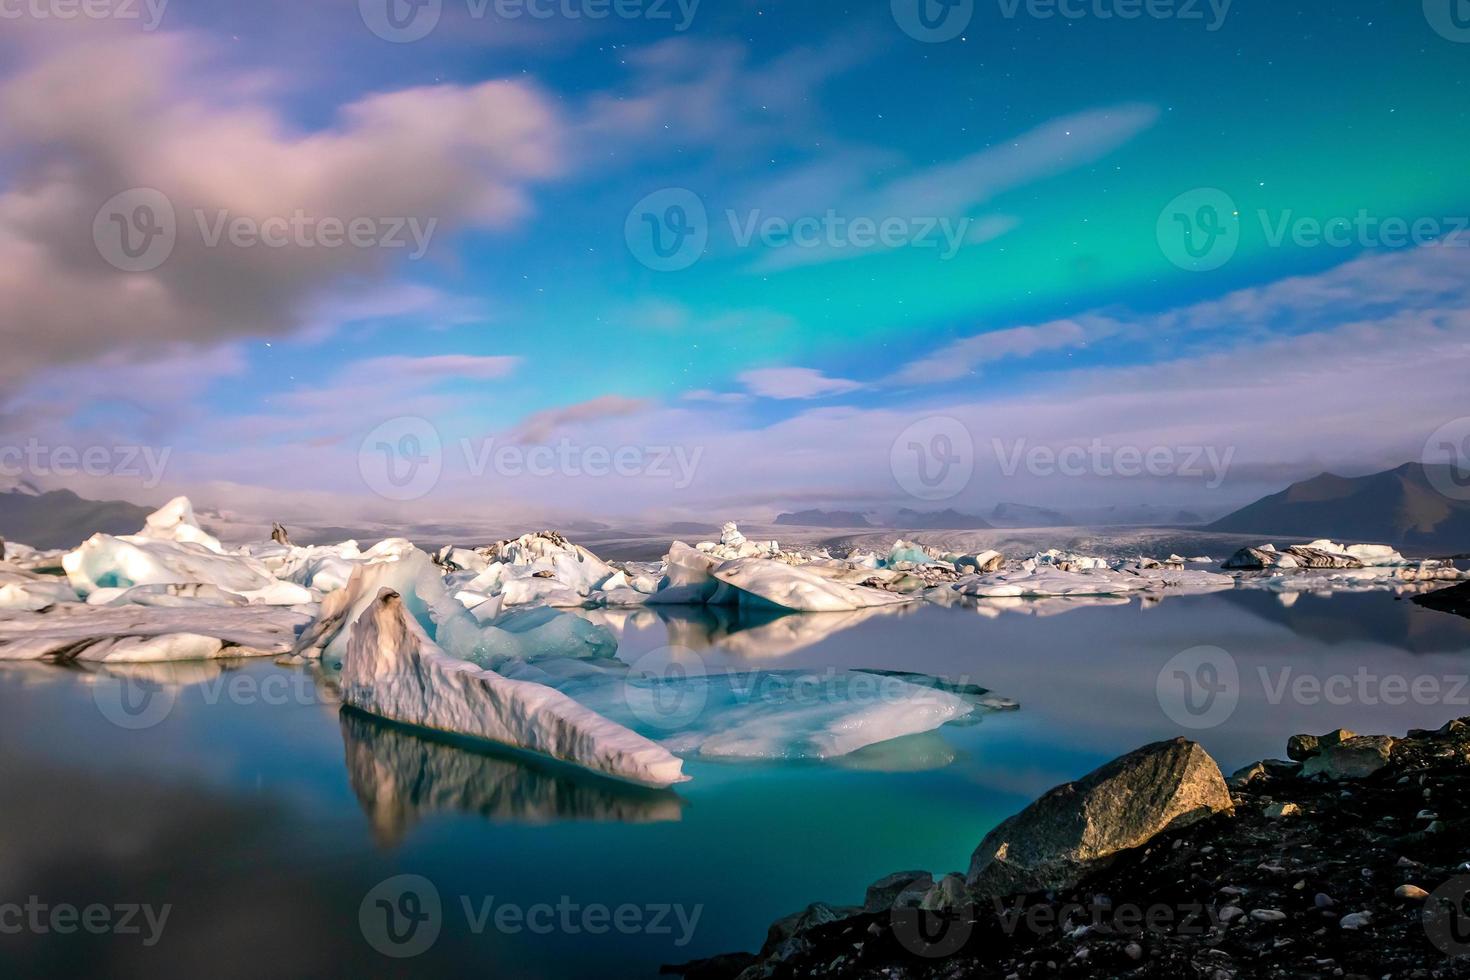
1352 859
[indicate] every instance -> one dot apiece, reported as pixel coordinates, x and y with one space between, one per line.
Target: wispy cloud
794 382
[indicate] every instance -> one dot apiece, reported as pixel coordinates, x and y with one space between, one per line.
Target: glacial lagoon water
265 818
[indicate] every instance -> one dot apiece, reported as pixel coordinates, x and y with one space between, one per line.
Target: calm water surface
263 815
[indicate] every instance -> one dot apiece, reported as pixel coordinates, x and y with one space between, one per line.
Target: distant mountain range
1013 515
906 519
939 520
1026 515
1402 507
61 519
824 518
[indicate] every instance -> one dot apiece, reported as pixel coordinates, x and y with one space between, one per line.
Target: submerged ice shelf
513 643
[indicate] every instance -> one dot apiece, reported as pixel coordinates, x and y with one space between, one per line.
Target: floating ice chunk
688 576
981 562
733 544
29 592
413 577
104 561
907 552
761 580
175 521
135 633
1051 581
758 714
392 669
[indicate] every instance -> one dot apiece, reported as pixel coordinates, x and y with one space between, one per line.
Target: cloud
794 382
542 425
429 160
966 356
716 397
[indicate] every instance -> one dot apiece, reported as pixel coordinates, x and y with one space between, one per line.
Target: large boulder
1081 826
1353 758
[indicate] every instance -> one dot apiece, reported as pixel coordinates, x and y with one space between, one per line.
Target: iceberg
144 634
763 581
175 521
394 670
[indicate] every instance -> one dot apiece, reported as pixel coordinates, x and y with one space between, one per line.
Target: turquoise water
264 816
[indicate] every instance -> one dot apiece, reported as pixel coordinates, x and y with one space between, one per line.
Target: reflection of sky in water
265 824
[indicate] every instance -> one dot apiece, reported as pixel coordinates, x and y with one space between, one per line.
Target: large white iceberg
137 634
393 669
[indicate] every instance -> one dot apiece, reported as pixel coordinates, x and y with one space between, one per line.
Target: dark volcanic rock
1078 827
1368 878
1455 599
